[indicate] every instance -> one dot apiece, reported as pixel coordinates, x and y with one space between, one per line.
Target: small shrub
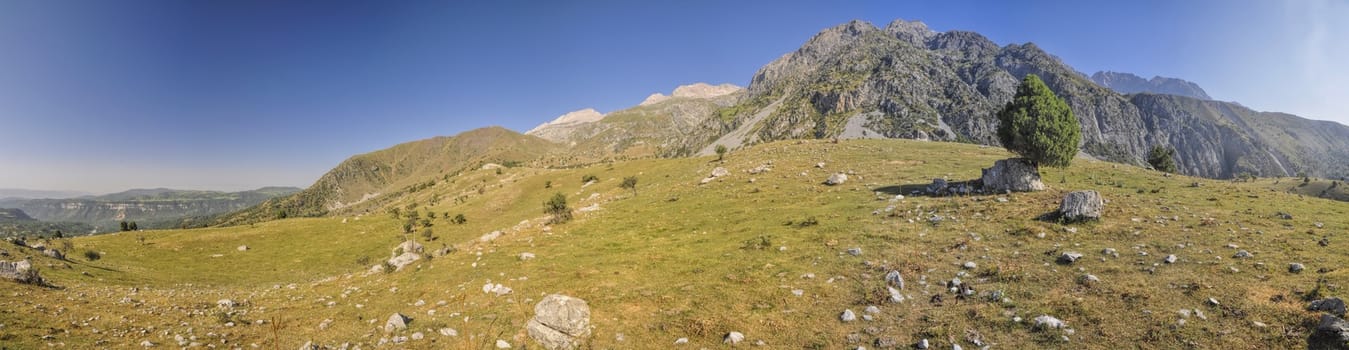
757 243
548 184
389 268
557 206
721 152
92 255
809 221
364 260
589 178
630 183
459 219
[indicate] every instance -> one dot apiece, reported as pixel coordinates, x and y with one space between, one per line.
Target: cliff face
906 81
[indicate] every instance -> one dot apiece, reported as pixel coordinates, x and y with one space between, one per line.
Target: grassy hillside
679 259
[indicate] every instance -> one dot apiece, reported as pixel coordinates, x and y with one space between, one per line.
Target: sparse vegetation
557 207
630 183
721 152
589 177
92 255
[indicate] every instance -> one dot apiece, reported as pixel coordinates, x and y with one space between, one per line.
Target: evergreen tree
1039 125
630 183
1162 159
557 206
721 152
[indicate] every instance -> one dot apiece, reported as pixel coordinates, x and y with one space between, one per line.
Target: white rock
502 344
733 338
1048 322
449 332
681 341
847 316
526 256
243 248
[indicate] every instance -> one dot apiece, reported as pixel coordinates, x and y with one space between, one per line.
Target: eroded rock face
1082 205
560 322
1015 174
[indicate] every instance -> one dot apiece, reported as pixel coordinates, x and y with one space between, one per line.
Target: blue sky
107 95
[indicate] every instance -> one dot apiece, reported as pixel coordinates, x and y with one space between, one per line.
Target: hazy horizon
103 97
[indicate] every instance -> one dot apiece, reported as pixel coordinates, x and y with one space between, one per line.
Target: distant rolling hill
150 208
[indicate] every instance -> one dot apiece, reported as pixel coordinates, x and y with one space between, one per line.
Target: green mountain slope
683 260
150 208
401 169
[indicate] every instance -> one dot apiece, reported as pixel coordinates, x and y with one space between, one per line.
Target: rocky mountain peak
914 32
1128 83
587 115
695 90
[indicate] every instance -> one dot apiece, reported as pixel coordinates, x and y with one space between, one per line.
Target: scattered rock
895 297
893 278
1296 267
243 248
1110 252
1048 322
418 336
400 261
560 322
847 316
819 165
836 179
490 236
923 344
396 322
1170 259
1334 306
938 187
1088 279
147 343
1242 254
681 341
53 253
872 310
449 332
1331 333
1012 175
1213 302
526 256
1283 215
496 288
970 265
225 304
502 344
1081 206
854 251
719 172
733 338
1069 257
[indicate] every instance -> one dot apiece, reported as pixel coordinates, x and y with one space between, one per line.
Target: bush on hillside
557 207
1163 159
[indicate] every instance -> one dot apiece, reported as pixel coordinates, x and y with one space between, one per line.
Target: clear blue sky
108 95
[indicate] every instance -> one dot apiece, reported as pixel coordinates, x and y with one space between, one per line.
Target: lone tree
1162 159
1038 125
721 152
630 183
557 206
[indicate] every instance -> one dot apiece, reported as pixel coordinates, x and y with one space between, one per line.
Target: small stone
854 251
798 292
147 344
894 279
872 310
449 332
1048 322
1242 254
502 344
895 297
1296 267
1089 279
396 322
1213 302
681 341
243 248
970 265
847 316
1170 259
526 256
1069 257
836 179
733 338
923 344
418 336
1110 252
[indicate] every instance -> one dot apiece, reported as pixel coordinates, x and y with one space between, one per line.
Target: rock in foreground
1015 174
560 322
1081 206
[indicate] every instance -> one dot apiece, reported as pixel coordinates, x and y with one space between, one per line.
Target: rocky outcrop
21 271
560 322
1081 206
1332 333
1015 174
1126 83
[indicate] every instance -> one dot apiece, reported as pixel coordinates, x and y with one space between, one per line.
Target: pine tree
1162 159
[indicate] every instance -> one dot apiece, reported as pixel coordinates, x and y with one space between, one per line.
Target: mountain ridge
1128 83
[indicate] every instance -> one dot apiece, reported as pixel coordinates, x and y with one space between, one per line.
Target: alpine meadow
874 187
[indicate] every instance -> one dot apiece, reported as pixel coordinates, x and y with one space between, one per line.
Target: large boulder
1331 333
21 271
1081 205
1015 174
1334 306
560 322
396 322
53 253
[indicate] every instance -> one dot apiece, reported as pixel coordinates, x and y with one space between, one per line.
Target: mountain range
150 208
856 80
